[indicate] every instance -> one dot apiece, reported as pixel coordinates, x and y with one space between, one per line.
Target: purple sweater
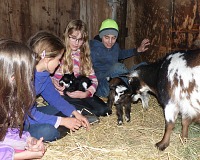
45 88
12 142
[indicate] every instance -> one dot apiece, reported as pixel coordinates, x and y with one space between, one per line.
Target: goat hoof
119 123
161 146
127 119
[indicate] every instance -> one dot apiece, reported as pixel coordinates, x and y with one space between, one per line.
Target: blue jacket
45 88
103 58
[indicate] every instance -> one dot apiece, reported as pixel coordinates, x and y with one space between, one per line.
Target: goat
175 81
120 96
72 83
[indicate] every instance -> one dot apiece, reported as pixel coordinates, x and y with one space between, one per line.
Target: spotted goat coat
175 81
120 97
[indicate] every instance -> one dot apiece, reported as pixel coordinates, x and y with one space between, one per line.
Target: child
16 97
49 50
106 53
77 60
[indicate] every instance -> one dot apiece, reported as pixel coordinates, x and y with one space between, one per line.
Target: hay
131 141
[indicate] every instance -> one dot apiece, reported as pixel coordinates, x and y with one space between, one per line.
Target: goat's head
122 94
139 88
67 80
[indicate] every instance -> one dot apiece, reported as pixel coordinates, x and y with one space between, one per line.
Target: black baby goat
120 96
72 83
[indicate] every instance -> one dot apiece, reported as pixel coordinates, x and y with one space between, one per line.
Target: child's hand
35 145
71 123
143 46
57 86
82 119
77 94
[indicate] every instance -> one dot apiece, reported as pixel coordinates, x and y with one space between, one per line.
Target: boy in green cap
105 53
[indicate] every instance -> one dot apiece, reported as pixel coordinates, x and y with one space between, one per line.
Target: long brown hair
17 95
85 60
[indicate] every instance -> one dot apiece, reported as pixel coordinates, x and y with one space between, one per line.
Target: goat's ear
111 86
72 75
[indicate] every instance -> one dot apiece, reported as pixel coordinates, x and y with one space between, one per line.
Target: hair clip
43 54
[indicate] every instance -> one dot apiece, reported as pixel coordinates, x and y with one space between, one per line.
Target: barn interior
169 24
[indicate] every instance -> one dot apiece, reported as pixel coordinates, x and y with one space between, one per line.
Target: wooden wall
169 24
22 18
93 12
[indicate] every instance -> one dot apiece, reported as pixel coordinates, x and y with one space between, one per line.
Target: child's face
75 40
109 40
54 62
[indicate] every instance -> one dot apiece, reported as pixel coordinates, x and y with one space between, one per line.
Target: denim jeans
117 70
47 131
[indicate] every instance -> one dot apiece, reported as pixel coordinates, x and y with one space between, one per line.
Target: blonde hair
85 60
17 93
45 41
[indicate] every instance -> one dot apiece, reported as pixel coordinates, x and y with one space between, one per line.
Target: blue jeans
116 70
47 131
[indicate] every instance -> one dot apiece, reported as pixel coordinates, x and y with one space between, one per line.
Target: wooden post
121 20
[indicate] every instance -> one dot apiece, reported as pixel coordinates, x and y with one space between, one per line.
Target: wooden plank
22 18
186 24
151 19
5 20
99 11
66 11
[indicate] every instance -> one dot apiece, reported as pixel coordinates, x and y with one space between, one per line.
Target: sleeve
12 142
50 94
12 139
126 53
93 87
6 152
39 117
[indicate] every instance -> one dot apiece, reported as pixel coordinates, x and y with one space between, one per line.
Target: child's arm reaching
28 155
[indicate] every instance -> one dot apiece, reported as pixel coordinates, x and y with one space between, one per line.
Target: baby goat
120 96
72 83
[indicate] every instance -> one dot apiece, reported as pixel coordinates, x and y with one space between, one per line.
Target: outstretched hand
143 46
82 119
74 123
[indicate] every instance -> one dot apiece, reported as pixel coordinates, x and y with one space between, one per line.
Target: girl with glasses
77 60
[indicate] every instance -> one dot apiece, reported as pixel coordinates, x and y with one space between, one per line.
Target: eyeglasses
74 39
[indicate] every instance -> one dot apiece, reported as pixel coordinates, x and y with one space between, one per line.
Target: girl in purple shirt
16 97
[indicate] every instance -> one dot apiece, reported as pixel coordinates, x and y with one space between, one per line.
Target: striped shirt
76 69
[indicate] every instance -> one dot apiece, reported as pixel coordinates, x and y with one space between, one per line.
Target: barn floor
131 141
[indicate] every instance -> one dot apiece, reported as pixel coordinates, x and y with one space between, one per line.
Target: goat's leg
197 119
119 110
171 111
127 112
164 143
185 125
111 97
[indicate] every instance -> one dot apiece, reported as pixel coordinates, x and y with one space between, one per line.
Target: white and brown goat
120 96
175 81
